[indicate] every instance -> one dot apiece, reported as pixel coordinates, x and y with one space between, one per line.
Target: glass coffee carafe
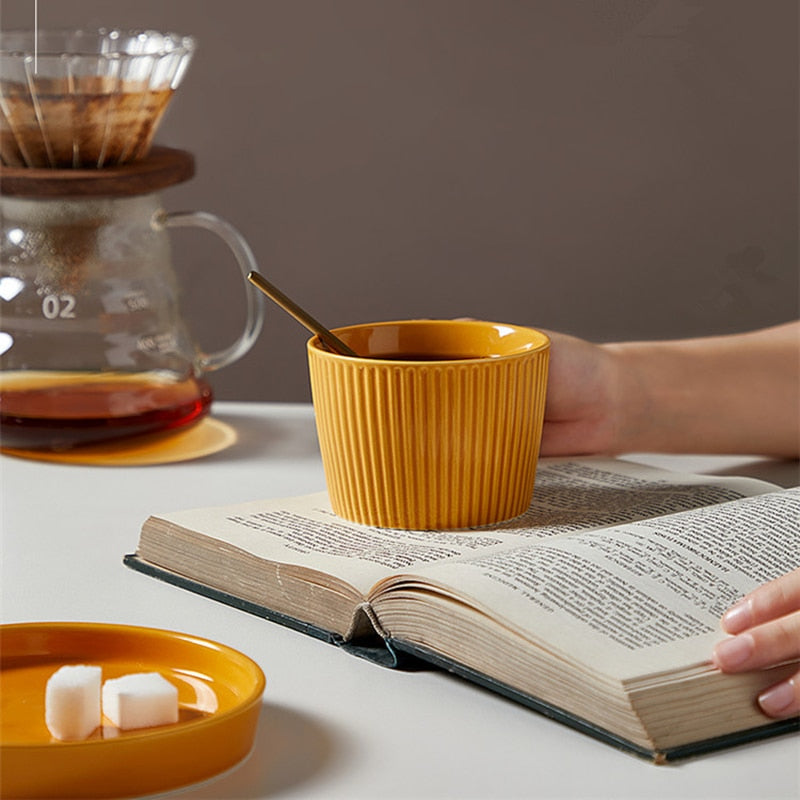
92 343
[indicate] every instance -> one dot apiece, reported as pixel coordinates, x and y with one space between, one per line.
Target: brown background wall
611 168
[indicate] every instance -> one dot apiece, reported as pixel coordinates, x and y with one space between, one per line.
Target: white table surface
332 725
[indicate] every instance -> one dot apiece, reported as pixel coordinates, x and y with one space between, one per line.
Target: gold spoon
331 341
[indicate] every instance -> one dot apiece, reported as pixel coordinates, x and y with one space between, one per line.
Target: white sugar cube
140 700
72 702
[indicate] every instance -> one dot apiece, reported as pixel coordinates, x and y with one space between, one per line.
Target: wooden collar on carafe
162 167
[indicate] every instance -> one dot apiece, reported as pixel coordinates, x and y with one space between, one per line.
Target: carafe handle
247 263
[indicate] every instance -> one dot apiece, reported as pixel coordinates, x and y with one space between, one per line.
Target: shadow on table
257 436
290 749
783 473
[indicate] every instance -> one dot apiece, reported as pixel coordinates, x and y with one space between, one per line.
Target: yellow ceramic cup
436 426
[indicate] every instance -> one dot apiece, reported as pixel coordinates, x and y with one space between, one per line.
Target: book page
569 495
305 532
639 598
578 494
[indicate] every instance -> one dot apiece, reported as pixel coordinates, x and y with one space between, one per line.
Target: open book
599 606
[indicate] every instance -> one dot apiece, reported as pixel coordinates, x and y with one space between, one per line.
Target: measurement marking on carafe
165 342
59 306
137 301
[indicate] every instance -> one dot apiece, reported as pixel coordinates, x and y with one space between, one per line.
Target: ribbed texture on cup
429 445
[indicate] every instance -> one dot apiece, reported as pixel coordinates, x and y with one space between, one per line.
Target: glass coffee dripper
92 343
86 99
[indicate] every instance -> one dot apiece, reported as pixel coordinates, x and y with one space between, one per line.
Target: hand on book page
766 631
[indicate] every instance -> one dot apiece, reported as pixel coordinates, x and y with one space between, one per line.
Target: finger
783 699
770 601
762 646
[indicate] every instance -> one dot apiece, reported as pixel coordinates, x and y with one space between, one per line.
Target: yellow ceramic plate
219 695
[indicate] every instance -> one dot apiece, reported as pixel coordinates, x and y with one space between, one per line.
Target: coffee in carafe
56 411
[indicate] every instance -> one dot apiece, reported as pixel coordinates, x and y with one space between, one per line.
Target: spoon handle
331 341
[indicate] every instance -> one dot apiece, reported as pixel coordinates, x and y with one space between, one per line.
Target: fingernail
731 653
777 699
738 617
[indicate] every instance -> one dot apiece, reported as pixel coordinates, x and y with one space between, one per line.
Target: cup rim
172 43
315 343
